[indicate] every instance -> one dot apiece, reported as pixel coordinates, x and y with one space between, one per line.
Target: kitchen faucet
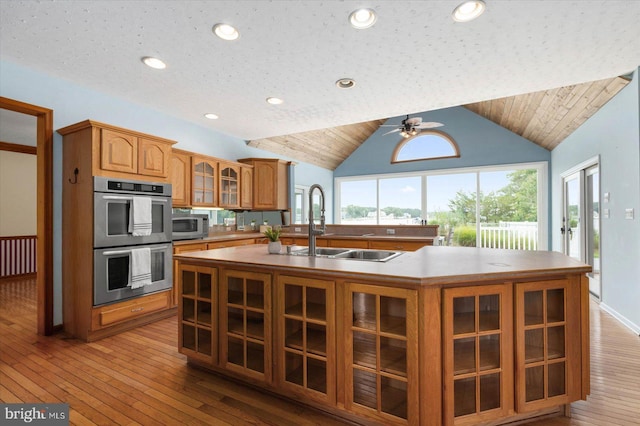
312 228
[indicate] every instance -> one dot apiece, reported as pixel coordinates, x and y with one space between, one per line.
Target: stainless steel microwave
189 226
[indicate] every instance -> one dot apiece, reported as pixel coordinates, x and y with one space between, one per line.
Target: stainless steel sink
369 255
320 251
342 253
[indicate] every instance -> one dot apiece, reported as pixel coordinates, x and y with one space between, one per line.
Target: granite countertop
430 265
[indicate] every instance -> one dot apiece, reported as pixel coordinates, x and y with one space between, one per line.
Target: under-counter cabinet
477 353
305 349
547 343
381 353
197 312
245 323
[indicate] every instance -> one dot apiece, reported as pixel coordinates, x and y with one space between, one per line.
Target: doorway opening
44 245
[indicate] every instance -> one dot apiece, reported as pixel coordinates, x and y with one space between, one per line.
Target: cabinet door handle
138 309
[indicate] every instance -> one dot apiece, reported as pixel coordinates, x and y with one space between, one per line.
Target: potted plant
273 234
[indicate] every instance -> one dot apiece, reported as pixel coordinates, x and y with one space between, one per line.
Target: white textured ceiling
415 58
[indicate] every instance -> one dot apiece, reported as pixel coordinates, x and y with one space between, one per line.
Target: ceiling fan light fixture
154 63
226 32
274 101
211 116
468 11
362 18
345 83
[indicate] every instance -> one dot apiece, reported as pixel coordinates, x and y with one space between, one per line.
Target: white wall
613 133
18 194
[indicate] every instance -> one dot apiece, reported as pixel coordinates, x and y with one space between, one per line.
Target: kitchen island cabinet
411 341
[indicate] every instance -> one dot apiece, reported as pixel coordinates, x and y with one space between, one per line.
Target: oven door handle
117 252
119 197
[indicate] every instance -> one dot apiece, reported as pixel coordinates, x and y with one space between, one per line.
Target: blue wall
72 103
613 133
481 143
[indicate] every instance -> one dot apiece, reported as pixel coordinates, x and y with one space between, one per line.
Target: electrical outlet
628 213
297 229
391 231
606 197
605 213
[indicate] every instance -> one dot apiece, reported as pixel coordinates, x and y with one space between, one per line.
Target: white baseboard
633 327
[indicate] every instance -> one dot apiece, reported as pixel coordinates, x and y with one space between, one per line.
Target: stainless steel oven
189 226
112 273
131 239
112 201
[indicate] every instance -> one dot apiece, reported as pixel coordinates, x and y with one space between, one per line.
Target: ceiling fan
411 126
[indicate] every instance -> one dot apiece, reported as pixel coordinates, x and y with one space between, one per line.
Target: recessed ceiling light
154 63
362 18
274 101
226 31
345 83
211 116
468 11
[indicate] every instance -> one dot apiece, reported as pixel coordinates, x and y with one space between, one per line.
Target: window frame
542 191
443 135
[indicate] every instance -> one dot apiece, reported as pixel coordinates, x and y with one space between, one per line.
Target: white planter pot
275 247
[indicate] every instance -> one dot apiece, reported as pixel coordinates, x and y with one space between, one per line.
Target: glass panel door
571 226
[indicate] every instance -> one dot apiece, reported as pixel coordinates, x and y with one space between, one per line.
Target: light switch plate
605 197
628 213
391 231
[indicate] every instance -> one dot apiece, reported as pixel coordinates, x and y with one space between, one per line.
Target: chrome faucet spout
313 232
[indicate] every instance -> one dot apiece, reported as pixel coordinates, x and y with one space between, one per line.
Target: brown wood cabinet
305 349
547 343
204 176
270 183
381 353
229 185
118 152
198 313
245 323
183 248
246 187
181 178
477 353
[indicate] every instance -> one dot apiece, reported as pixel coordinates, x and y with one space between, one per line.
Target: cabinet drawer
123 311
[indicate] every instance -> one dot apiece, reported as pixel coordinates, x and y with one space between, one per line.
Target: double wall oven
114 241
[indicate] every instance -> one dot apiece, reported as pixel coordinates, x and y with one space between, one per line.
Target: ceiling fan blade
390 125
392 131
429 125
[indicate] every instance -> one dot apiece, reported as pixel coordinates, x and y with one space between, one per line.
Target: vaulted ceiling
545 118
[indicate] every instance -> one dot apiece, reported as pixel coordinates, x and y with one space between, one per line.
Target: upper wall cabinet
229 184
270 183
116 152
203 183
246 187
181 178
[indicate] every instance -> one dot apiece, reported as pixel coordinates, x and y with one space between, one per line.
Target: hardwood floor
138 377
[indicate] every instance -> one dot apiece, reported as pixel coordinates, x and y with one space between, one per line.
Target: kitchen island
442 335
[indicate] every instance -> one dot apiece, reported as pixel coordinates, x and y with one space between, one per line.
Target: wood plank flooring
138 377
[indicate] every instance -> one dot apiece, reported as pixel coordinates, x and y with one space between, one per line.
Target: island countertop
440 265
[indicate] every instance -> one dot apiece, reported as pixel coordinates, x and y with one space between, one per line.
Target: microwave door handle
118 252
119 197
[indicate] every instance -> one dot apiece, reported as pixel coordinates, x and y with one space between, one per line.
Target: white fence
510 235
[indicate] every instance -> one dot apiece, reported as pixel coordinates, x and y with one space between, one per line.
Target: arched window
427 145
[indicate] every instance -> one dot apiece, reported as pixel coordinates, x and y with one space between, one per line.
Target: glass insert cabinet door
381 348
545 346
477 353
197 312
246 323
306 346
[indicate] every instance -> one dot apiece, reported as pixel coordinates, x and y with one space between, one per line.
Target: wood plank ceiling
545 118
